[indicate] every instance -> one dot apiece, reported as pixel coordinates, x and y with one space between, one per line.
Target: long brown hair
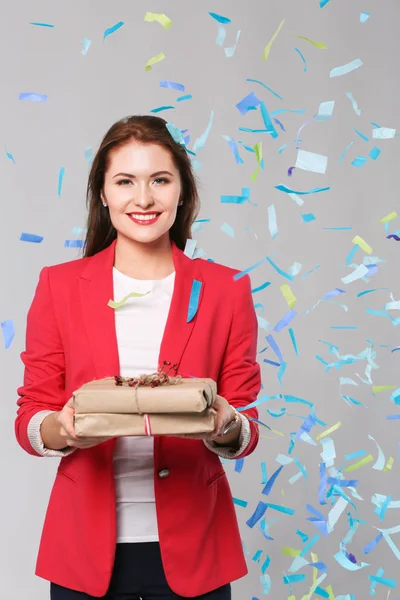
146 129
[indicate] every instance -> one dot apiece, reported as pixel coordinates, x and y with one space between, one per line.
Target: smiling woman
154 515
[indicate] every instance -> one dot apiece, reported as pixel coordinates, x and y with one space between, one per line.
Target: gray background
86 94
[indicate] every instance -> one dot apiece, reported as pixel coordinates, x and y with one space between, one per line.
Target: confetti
303 59
267 48
154 60
309 161
364 16
31 97
112 29
7 328
344 69
354 103
160 18
30 237
383 133
319 45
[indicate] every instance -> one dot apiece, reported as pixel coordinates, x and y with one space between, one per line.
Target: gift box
153 404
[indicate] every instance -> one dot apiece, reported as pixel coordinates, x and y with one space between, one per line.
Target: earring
180 203
104 204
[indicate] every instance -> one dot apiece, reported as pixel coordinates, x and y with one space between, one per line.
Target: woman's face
142 188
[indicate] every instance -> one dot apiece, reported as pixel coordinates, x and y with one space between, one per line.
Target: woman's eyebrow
152 175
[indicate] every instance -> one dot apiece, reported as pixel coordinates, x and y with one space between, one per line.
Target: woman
139 517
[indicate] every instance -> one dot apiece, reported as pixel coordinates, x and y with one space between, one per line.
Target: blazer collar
96 289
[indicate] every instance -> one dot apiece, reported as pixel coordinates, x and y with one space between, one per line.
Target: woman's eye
161 180
124 181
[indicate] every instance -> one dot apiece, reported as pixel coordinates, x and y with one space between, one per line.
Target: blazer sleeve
43 386
239 380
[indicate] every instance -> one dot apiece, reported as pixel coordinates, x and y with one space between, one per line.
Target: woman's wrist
231 438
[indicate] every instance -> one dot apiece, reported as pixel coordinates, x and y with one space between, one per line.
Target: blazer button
163 473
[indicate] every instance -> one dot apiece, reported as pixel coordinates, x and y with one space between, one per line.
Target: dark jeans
138 574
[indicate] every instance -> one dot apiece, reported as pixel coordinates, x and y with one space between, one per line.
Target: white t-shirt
140 324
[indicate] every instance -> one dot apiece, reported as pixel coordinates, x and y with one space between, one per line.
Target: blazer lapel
96 289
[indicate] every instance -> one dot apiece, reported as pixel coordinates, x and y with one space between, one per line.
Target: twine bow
150 380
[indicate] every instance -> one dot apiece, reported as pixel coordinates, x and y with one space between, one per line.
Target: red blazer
71 340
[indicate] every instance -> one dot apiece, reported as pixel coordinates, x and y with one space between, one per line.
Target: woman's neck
144 260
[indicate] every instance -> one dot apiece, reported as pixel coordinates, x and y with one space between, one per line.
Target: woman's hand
225 414
67 429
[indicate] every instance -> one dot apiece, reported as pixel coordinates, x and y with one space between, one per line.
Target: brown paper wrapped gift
117 406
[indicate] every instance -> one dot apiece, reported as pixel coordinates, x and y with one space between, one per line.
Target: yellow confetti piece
389 217
258 152
329 591
328 431
271 41
154 60
288 295
286 551
319 45
160 18
381 388
362 243
389 464
360 463
282 492
113 304
291 598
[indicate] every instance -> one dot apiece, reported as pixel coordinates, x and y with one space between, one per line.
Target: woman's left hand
225 415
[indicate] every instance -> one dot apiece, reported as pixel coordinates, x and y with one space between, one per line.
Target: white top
139 324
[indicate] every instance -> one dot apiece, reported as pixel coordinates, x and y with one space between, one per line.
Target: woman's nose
143 196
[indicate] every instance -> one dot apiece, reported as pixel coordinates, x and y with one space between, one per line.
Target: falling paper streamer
362 244
237 199
200 142
194 300
288 295
229 51
249 102
302 58
10 156
226 228
190 247
359 161
152 61
309 161
347 68
161 108
220 18
374 153
319 45
116 305
266 87
73 243
30 237
160 18
85 43
31 97
172 85
7 328
267 48
325 110
112 29
176 133
383 133
354 103
60 180
41 24
258 153
284 188
364 16
221 35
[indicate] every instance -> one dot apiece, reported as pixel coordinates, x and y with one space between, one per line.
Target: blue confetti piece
186 97
274 347
266 87
281 372
391 583
278 270
161 108
264 473
249 102
239 465
10 156
271 481
374 153
299 576
257 515
261 287
310 544
74 243
172 85
220 18
85 43
279 124
241 503
284 188
307 217
31 97
267 121
60 180
364 16
8 331
354 103
31 237
272 362
323 3
372 544
345 151
237 199
294 342
347 68
322 483
194 299
285 320
112 29
362 136
40 24
302 58
359 161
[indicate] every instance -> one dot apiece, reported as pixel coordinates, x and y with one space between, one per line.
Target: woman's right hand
67 430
